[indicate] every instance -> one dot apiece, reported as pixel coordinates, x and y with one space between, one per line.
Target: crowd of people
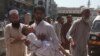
46 37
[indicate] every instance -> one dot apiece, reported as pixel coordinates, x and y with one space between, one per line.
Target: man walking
13 38
58 26
45 31
65 28
79 34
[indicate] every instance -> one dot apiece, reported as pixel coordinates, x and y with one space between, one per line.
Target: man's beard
16 25
86 20
38 20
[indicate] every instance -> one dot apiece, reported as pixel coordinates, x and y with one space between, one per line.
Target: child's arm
27 42
33 40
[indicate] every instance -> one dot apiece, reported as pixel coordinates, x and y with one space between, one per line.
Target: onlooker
58 26
65 28
14 39
79 34
27 18
45 31
48 19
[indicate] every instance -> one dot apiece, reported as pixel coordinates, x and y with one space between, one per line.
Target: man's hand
72 43
63 51
27 42
17 39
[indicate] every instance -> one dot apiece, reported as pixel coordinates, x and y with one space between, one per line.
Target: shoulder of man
8 25
77 21
22 25
56 24
48 25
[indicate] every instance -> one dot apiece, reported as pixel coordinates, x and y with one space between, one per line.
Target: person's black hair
59 17
39 8
31 22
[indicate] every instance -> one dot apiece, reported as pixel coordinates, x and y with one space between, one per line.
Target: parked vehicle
94 40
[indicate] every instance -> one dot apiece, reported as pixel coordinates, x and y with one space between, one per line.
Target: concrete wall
2 45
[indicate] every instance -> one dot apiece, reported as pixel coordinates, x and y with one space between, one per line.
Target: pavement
2 46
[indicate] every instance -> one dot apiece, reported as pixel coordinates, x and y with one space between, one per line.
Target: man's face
61 20
86 13
69 19
39 15
14 18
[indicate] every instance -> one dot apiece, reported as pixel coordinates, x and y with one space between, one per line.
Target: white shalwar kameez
48 30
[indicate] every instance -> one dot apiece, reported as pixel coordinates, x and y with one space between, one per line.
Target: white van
96 24
94 40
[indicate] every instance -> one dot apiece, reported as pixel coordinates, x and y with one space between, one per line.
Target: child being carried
36 46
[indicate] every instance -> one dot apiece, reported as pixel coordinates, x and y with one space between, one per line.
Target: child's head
25 30
31 29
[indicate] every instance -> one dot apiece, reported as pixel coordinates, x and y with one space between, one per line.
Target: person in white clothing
45 31
35 46
31 40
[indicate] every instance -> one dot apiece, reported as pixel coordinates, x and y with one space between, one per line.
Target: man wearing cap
14 40
79 34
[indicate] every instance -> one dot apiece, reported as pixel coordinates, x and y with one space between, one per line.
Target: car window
96 26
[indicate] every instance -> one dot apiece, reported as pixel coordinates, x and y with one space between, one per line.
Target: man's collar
40 22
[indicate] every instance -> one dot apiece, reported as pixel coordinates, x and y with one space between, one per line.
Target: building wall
53 9
50 6
75 11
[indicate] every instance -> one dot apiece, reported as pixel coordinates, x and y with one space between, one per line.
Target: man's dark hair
39 8
31 22
59 17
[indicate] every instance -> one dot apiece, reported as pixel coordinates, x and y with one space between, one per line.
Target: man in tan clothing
13 38
79 34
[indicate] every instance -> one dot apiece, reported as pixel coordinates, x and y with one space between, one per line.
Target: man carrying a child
45 35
